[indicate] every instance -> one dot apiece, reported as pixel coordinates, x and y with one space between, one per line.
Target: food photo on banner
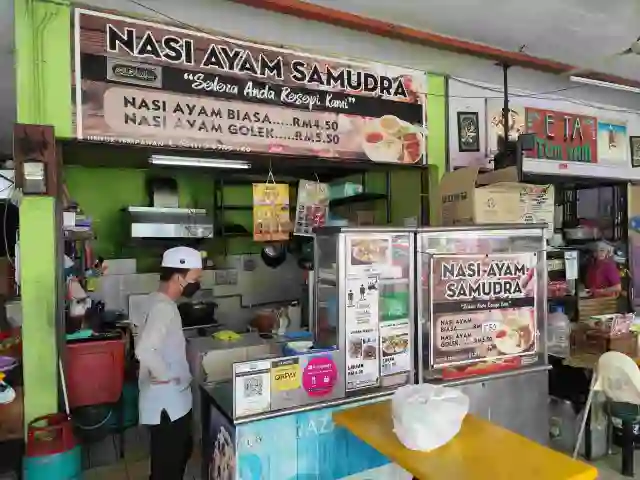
483 308
143 83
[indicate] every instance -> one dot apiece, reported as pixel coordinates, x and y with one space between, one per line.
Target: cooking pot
195 314
264 321
273 254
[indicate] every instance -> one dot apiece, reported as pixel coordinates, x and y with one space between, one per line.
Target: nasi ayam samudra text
232 58
473 280
145 111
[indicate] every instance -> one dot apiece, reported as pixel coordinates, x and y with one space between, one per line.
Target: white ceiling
578 32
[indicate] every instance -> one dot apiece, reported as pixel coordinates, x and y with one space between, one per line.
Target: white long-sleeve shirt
161 351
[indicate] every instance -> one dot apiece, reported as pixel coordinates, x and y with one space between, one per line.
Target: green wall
102 193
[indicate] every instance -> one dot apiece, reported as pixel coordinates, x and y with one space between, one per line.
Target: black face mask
190 289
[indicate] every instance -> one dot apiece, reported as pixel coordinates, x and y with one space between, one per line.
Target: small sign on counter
285 374
305 379
252 388
319 376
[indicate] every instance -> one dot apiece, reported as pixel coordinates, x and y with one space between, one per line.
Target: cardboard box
467 197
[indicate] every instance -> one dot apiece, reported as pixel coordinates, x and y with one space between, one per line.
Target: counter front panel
305 445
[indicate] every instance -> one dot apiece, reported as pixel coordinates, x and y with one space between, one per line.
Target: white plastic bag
426 416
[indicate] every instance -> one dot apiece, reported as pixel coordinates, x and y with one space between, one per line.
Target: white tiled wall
236 303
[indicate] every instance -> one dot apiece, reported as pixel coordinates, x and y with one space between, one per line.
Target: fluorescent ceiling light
198 162
599 83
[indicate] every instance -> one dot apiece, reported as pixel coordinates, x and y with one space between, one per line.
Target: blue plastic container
292 350
59 466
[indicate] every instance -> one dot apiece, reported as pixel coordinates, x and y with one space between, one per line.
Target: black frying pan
273 254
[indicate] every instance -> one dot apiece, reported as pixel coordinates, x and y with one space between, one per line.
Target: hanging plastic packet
271 220
312 207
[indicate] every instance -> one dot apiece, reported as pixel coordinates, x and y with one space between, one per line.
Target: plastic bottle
558 331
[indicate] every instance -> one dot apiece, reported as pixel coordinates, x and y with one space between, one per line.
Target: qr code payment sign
253 386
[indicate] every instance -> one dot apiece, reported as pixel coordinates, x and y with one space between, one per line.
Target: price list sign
483 307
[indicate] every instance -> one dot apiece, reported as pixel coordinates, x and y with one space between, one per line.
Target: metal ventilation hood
167 222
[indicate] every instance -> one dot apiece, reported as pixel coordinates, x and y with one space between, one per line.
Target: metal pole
505 108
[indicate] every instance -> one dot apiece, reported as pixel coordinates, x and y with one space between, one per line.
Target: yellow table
480 451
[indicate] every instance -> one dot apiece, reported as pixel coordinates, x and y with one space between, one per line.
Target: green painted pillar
39 296
43 63
437 118
43 82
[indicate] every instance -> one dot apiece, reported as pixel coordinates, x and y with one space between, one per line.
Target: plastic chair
618 377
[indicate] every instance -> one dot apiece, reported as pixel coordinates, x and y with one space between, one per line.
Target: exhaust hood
167 222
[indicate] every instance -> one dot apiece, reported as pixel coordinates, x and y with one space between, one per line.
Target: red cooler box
94 371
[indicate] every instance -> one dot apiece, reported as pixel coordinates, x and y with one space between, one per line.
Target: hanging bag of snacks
271 221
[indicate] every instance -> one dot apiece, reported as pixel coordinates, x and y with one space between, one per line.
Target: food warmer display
272 420
482 304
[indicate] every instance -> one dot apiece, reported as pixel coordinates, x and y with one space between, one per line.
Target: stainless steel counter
222 394
516 400
211 361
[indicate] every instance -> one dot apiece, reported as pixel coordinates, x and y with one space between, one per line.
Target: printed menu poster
252 385
395 346
362 332
271 212
371 254
312 207
483 307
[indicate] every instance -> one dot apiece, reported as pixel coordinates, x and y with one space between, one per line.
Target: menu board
482 307
361 323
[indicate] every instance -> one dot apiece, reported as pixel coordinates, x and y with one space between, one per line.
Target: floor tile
609 467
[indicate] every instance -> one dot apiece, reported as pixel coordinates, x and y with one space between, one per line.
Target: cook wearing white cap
164 378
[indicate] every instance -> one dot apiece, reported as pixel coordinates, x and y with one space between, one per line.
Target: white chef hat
182 257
